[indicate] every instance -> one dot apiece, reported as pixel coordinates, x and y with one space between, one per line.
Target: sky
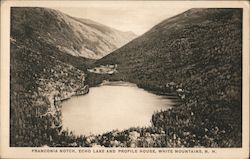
137 18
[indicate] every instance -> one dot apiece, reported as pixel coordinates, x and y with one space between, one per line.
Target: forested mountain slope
199 52
49 52
38 82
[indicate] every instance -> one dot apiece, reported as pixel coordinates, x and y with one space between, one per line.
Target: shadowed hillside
49 52
199 53
38 82
196 55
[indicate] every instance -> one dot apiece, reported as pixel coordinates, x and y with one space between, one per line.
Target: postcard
124 79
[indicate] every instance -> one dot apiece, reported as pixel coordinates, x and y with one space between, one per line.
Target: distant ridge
75 36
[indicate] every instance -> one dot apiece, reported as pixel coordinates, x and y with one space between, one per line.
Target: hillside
200 53
196 55
38 82
74 36
49 52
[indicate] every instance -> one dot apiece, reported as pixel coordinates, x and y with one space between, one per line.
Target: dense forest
199 52
196 55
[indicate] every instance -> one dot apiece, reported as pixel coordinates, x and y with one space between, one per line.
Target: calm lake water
113 106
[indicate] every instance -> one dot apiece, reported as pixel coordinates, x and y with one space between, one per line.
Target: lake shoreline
162 126
115 88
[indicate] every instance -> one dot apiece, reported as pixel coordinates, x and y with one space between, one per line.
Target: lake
114 105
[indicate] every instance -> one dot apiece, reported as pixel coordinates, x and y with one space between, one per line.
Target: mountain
200 53
49 54
196 55
75 36
40 74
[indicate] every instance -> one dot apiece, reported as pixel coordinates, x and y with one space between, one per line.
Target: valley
195 57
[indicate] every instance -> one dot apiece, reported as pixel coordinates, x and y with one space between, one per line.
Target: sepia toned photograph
143 75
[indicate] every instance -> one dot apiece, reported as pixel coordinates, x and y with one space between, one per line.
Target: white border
8 152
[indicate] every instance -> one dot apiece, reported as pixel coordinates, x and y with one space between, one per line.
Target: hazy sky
138 18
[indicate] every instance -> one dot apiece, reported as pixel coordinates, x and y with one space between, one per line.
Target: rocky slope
198 53
75 36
